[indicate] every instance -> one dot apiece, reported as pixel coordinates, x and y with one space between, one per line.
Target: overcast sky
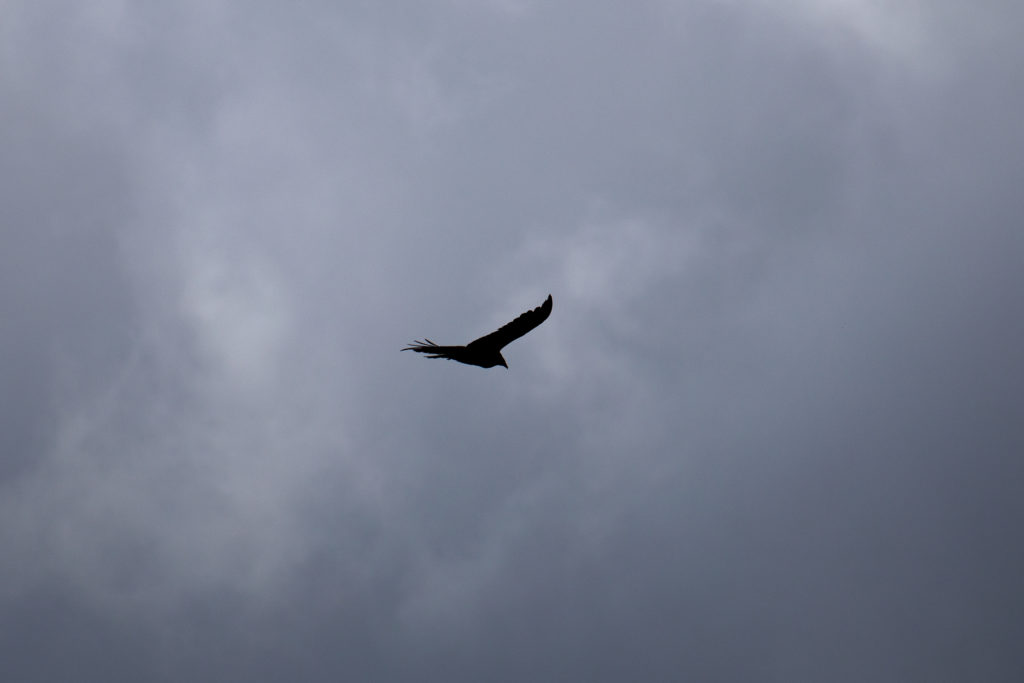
772 431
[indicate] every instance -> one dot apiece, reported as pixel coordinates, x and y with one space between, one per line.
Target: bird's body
485 352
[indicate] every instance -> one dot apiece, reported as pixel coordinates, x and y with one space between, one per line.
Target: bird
485 352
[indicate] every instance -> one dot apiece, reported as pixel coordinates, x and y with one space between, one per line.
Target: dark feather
508 333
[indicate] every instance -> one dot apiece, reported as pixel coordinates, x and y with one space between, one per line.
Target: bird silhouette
486 351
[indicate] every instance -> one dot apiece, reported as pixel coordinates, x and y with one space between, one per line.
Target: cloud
768 431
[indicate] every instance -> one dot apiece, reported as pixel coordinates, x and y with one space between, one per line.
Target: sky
772 431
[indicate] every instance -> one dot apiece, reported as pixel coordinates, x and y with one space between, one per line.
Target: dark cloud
771 430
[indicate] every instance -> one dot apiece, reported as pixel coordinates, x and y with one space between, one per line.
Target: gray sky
772 430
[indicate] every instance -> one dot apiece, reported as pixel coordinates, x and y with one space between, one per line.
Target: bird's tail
432 349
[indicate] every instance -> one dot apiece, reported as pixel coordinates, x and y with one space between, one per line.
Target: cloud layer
770 432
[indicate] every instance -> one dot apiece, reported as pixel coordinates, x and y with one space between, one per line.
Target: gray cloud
771 430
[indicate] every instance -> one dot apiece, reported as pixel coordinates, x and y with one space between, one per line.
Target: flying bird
486 351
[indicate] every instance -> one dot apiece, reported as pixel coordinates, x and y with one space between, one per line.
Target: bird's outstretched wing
433 350
515 329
